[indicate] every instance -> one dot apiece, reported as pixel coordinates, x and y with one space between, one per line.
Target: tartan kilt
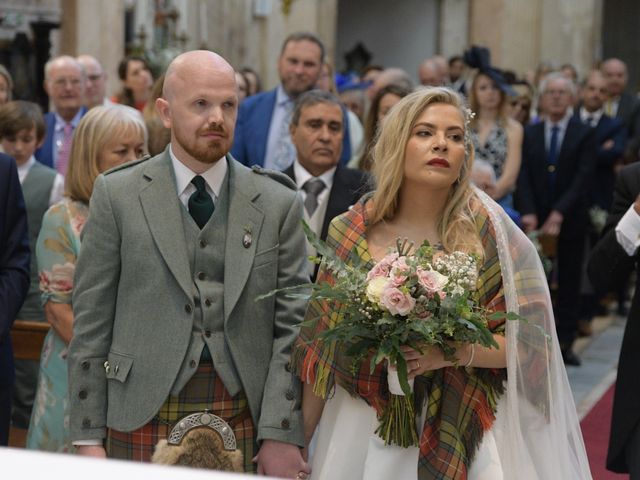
204 390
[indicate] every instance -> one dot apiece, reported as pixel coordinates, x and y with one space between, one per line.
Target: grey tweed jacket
133 307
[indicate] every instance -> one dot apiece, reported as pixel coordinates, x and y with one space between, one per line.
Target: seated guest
137 82
6 85
14 270
328 190
386 98
106 137
21 132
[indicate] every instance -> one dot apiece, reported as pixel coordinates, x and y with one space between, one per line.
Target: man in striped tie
64 82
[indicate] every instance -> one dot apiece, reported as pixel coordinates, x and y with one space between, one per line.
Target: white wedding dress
536 434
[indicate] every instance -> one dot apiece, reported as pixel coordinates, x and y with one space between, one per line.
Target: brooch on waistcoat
247 239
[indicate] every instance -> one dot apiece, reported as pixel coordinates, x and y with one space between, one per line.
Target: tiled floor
599 355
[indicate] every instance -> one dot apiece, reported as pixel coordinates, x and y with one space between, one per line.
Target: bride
501 413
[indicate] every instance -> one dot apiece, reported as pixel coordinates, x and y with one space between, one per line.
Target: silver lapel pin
247 239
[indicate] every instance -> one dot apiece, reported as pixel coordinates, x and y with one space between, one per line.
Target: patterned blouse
494 150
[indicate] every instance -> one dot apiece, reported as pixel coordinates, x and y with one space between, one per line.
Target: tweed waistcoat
36 188
205 251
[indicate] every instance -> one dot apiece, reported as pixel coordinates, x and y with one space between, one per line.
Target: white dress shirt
594 116
213 178
278 117
562 129
57 191
302 175
628 231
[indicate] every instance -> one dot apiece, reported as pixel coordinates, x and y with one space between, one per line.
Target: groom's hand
279 459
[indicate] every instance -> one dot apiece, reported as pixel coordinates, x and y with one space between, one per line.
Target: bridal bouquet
416 297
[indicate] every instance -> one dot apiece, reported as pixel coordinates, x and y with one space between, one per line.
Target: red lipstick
438 162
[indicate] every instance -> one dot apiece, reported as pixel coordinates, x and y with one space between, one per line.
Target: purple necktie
64 150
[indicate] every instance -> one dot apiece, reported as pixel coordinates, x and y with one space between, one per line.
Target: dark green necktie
200 203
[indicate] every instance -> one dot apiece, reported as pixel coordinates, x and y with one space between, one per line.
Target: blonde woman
497 138
105 138
505 412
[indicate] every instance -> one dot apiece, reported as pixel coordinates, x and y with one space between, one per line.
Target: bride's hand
431 358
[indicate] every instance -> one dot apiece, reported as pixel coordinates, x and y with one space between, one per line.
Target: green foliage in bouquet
422 297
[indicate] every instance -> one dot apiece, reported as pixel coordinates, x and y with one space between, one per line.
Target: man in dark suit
558 158
621 104
262 131
328 190
14 277
611 137
612 259
64 82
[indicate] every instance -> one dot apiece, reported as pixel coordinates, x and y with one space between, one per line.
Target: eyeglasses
94 77
62 82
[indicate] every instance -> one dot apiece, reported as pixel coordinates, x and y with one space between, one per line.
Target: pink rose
396 302
431 280
380 269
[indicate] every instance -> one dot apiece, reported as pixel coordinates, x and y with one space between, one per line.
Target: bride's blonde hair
457 226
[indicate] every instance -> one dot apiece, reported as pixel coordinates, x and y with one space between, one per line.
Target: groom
174 254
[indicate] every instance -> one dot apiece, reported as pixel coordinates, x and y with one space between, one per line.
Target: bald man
95 93
175 251
65 83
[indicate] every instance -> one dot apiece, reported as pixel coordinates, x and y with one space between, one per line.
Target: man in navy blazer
558 159
262 130
14 277
64 82
610 134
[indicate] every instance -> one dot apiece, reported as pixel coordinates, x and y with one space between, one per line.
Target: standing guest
262 133
21 132
521 104
243 86
253 79
613 259
430 73
457 77
386 98
327 188
135 74
107 137
558 160
95 92
611 136
327 83
174 254
6 85
390 76
497 138
509 416
159 135
14 278
569 71
64 82
622 104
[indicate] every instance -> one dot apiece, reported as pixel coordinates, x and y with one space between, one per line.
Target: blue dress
57 252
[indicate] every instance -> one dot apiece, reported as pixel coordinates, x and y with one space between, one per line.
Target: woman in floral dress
105 138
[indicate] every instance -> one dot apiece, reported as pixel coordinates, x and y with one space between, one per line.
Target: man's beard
210 153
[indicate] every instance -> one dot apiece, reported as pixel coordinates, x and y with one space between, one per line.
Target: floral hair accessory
468 116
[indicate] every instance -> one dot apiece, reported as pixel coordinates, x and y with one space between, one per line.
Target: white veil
537 430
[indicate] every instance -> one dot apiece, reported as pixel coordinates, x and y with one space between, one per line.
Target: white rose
375 288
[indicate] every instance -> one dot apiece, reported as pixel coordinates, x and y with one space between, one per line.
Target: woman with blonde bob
494 414
105 138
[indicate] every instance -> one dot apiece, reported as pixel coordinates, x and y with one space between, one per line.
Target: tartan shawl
461 403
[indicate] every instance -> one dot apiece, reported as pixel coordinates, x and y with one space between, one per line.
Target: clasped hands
550 227
432 358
